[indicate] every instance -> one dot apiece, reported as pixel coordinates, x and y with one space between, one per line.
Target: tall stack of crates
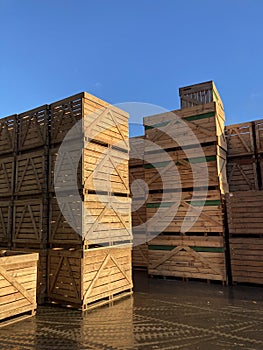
8 128
64 190
92 260
245 200
187 208
138 191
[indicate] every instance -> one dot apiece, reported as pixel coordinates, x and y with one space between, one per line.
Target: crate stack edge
102 247
137 179
176 251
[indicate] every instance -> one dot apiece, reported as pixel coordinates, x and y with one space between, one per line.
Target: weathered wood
105 169
18 273
242 174
137 145
247 260
8 130
245 213
5 223
140 256
188 257
41 289
31 173
33 128
7 165
240 139
176 128
30 223
197 94
259 135
203 214
80 278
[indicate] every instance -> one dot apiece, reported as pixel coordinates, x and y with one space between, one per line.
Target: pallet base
105 301
17 318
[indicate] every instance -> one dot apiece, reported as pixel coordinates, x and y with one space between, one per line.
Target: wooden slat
240 139
33 128
83 277
247 260
188 257
242 174
16 269
245 213
8 128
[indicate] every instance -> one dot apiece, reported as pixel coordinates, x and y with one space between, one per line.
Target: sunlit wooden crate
18 276
90 277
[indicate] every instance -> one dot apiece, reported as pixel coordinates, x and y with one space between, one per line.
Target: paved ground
162 314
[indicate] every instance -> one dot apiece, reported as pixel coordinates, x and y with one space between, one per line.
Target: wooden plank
247 260
187 259
6 176
75 279
8 128
242 174
31 173
16 276
245 213
33 128
240 139
29 222
5 223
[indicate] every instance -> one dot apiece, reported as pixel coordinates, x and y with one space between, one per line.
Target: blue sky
139 50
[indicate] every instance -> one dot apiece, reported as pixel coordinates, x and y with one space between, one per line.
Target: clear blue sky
137 50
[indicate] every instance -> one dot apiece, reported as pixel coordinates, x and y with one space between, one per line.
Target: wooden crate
188 257
136 151
104 122
82 277
186 214
18 275
206 122
245 213
240 139
105 169
30 223
41 288
6 176
259 135
100 220
187 169
5 222
140 256
8 127
242 174
31 173
197 94
247 260
33 128
101 121
68 176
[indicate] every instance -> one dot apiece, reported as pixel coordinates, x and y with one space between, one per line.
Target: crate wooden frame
197 94
247 260
240 139
5 223
17 285
33 128
31 170
205 121
245 213
242 174
188 257
8 131
84 278
7 172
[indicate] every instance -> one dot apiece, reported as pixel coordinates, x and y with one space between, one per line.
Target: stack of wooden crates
138 192
188 241
245 200
90 261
